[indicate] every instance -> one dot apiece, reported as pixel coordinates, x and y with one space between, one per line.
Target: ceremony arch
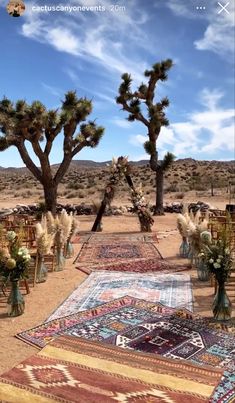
121 168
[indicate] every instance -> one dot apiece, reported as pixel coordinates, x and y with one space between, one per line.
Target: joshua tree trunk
99 216
212 188
159 210
50 194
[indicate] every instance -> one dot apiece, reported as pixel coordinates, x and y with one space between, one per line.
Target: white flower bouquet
217 256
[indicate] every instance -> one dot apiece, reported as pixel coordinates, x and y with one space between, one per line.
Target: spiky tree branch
21 122
167 161
137 102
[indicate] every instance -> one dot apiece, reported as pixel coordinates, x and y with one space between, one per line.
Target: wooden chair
32 272
28 234
218 213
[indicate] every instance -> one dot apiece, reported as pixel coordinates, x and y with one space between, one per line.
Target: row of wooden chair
17 220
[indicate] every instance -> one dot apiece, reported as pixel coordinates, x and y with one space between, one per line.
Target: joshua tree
21 122
152 115
162 167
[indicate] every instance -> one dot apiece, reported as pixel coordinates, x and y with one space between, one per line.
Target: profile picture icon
15 8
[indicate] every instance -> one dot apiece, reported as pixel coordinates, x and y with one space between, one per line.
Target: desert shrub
180 195
200 186
27 185
71 195
81 194
91 191
26 194
172 188
91 181
74 186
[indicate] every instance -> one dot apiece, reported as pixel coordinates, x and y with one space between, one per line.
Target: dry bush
26 194
172 188
180 195
81 194
72 195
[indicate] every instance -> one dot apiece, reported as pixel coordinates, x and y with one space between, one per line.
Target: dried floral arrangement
62 227
142 209
190 227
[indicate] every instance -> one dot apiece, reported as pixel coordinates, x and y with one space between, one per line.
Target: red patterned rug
76 370
138 266
113 252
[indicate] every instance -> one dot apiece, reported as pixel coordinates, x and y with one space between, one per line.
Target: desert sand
44 298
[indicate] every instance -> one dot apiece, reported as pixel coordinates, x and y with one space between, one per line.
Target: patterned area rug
111 252
180 338
149 327
138 266
76 370
169 289
97 323
228 327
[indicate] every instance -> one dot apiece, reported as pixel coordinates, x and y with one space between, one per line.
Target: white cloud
104 97
52 90
63 40
166 137
218 36
124 124
180 8
209 98
138 140
138 157
208 131
72 75
74 35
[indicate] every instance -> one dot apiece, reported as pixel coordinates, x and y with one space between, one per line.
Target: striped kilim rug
76 370
169 289
148 327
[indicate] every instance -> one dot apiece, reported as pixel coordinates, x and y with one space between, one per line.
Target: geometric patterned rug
185 339
136 266
150 328
111 252
101 286
76 370
97 323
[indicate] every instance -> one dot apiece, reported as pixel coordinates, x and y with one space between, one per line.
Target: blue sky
44 54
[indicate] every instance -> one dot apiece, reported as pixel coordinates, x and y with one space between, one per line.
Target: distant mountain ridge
86 164
78 163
